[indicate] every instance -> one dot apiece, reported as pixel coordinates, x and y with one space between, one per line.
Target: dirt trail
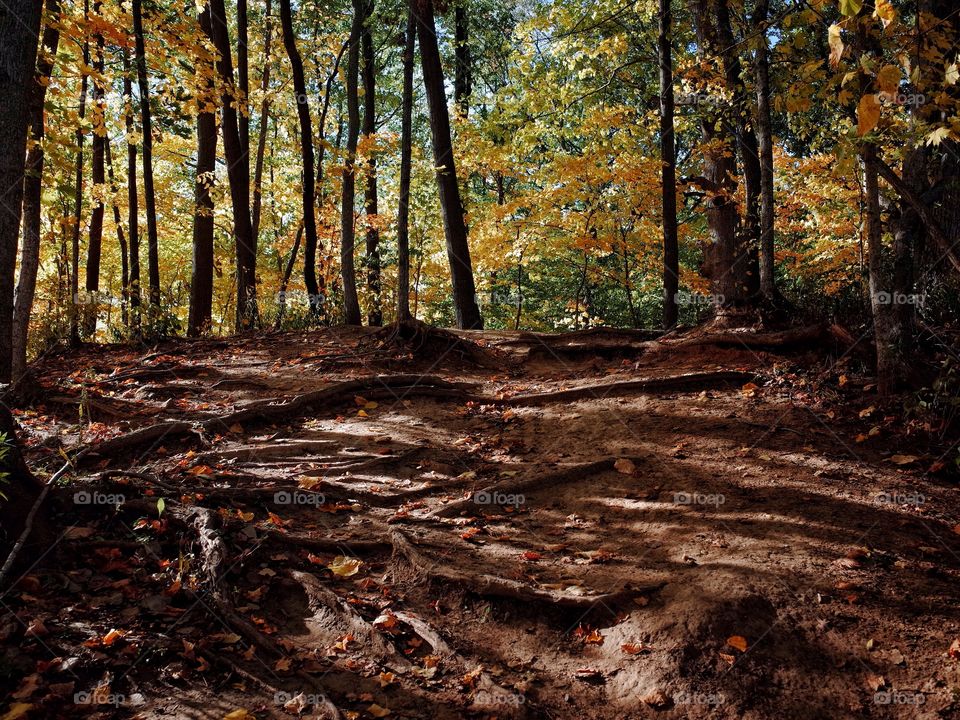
447 539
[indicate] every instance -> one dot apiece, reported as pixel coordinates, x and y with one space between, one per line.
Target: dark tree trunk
243 77
668 160
285 280
463 72
765 142
98 176
238 172
406 143
146 122
458 250
75 299
372 260
746 253
33 189
121 238
308 184
719 182
133 200
201 284
351 304
264 122
19 28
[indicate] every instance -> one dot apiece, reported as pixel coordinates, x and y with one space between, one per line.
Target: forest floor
597 525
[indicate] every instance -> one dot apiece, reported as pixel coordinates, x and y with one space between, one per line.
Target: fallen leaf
625 466
378 711
344 566
737 641
903 459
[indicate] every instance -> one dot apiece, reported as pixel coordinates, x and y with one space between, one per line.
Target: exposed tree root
679 383
493 586
425 341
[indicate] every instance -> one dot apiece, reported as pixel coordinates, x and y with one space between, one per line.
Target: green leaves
849 8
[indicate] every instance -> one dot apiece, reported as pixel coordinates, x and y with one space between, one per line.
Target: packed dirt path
598 525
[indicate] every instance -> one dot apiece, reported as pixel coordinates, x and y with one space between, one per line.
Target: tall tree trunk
406 143
264 122
98 176
201 284
243 77
285 279
76 301
463 75
238 173
19 28
308 182
351 304
719 182
146 122
372 260
133 199
458 250
121 238
746 253
765 142
33 190
668 160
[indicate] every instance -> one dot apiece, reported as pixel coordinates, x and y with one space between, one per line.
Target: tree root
425 341
499 587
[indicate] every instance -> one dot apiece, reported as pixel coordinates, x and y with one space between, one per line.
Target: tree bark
201 284
455 229
95 237
133 199
33 190
372 259
238 172
668 160
121 238
264 122
406 143
765 142
308 180
243 77
146 123
19 27
351 304
75 299
463 73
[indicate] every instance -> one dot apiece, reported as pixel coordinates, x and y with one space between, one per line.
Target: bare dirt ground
602 525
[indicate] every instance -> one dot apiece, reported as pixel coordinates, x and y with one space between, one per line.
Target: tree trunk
19 28
133 200
455 229
95 238
243 78
463 76
121 239
351 304
746 253
372 260
33 190
75 299
406 142
201 284
264 122
308 182
146 122
668 159
238 173
765 142
285 279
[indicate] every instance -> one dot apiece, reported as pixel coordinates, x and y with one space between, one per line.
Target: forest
479 359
